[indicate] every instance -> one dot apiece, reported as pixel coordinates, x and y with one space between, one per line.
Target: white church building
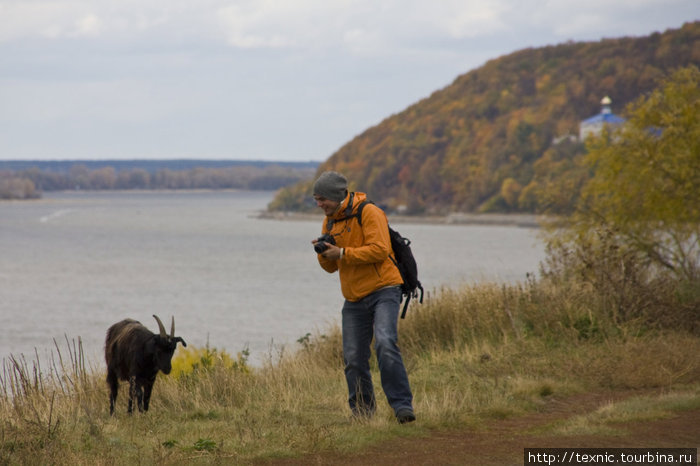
594 125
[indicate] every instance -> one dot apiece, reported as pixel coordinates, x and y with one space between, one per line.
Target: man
370 283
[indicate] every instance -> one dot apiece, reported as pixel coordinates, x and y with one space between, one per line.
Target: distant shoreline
513 220
493 219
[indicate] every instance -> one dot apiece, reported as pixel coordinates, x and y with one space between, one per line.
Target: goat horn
160 327
172 327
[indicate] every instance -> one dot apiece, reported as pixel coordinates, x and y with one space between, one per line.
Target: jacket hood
356 197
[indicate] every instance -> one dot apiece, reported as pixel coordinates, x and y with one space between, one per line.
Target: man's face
329 207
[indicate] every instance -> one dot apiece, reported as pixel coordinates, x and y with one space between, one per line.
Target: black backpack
403 259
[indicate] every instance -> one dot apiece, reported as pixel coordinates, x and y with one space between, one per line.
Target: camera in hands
322 243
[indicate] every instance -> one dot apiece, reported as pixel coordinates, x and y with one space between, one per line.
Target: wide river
73 263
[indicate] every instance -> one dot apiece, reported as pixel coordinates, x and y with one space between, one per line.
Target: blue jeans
375 315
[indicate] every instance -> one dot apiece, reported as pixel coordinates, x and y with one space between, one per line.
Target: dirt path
503 442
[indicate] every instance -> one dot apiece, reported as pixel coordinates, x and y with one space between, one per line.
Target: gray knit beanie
331 185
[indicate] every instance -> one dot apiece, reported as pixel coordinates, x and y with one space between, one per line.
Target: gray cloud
259 78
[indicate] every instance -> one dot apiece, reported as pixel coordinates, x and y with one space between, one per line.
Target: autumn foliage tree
646 182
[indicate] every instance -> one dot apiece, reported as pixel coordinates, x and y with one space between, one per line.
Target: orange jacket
365 266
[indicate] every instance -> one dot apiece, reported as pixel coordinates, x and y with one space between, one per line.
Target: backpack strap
410 295
348 213
407 293
405 306
359 210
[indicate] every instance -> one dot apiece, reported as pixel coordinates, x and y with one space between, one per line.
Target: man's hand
332 253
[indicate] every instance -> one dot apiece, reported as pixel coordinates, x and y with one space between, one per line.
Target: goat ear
180 340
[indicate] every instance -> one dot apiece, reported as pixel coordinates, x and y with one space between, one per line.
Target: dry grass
482 352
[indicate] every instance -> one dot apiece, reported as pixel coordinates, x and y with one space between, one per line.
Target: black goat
136 354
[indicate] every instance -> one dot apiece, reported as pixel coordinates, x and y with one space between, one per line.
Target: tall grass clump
623 284
37 401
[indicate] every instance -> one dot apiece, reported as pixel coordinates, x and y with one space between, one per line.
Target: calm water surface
71 264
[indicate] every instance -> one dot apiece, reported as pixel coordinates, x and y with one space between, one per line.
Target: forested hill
489 140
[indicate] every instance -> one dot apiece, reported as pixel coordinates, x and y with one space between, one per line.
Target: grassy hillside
486 141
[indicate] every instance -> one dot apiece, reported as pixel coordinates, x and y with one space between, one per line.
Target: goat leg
113 383
132 393
147 389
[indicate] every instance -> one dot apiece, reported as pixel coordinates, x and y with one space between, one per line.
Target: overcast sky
260 79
